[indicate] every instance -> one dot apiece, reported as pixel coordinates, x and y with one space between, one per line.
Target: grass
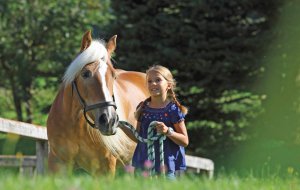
85 182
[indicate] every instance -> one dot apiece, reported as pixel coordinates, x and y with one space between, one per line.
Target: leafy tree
38 40
214 50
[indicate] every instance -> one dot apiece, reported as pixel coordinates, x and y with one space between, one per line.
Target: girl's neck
158 102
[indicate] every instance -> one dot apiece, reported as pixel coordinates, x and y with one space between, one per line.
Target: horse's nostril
103 119
114 120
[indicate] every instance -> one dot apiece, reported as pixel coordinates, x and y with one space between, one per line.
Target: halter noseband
87 108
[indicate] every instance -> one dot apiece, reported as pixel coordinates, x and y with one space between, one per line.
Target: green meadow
231 182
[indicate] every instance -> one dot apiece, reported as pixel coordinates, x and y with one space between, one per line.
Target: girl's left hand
161 128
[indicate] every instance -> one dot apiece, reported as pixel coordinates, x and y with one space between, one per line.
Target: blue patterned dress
174 154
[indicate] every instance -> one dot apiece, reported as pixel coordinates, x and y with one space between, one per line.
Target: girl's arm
129 133
179 136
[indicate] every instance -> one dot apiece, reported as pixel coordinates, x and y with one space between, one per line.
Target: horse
83 121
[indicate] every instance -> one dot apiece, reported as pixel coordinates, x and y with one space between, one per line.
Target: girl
163 107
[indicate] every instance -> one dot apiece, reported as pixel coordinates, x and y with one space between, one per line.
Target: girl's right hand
161 128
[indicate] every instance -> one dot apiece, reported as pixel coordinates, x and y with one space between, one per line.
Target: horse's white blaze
102 71
107 95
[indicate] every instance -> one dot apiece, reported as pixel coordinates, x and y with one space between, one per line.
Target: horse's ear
111 44
86 40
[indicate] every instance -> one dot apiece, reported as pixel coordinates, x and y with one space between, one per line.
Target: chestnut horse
82 125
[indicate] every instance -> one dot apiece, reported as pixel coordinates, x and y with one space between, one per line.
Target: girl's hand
161 128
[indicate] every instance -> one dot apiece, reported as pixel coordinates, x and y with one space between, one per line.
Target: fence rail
200 164
39 133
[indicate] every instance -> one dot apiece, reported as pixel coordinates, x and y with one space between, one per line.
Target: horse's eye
86 74
103 58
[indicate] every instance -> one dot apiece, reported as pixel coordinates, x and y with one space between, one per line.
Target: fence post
41 156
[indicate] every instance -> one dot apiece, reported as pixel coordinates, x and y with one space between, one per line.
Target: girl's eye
158 80
86 74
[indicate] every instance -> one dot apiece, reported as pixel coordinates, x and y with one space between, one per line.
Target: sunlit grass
11 180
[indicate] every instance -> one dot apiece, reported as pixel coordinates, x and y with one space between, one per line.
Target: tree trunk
27 96
17 100
28 111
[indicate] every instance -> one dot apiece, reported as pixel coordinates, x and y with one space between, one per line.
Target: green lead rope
150 144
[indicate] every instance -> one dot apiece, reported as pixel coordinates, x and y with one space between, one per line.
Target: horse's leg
56 165
109 167
104 166
53 163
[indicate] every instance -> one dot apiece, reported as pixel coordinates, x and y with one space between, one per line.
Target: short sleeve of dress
175 114
139 105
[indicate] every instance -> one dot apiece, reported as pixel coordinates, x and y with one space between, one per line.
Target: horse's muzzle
108 126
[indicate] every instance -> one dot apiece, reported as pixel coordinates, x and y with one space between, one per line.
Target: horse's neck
120 102
68 104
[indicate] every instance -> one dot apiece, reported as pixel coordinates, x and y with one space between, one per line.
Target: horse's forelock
93 53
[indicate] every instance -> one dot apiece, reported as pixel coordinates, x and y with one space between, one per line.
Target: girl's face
157 84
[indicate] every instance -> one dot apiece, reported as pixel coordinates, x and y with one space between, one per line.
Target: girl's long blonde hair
166 73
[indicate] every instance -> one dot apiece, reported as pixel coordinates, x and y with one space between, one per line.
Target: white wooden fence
39 161
26 163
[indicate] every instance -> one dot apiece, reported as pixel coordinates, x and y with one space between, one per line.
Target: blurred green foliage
275 145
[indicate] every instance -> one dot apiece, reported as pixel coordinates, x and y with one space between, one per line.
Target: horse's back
133 84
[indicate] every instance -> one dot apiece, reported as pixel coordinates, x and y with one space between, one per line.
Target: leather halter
87 108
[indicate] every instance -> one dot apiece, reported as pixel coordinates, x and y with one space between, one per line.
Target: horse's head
92 76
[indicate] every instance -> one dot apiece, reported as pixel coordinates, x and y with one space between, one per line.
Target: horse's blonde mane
95 52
